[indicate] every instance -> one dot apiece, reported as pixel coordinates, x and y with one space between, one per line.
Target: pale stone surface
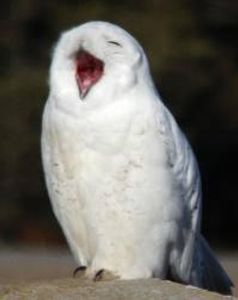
82 289
31 274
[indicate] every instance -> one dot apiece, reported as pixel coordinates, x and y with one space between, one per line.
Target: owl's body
122 179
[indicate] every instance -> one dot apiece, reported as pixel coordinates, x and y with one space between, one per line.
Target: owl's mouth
89 69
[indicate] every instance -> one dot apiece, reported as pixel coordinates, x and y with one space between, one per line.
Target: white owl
122 178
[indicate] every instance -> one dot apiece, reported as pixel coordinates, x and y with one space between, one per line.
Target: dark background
192 47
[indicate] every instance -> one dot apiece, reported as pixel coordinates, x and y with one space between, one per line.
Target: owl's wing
184 169
197 264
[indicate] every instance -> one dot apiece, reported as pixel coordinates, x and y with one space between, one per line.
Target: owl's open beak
89 70
84 87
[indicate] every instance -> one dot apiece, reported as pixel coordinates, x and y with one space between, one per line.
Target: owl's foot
81 270
104 275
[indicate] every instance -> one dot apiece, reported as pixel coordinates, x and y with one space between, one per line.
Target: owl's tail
213 277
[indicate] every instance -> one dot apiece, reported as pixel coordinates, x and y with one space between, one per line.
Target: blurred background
192 47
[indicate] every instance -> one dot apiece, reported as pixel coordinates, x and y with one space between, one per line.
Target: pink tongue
89 70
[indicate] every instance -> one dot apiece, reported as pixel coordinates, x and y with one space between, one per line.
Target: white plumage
122 178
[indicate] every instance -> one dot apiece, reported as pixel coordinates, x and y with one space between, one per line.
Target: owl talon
99 275
80 270
104 275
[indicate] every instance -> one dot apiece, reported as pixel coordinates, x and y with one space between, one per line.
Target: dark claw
98 275
79 269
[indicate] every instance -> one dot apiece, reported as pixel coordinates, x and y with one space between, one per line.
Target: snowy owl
122 178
